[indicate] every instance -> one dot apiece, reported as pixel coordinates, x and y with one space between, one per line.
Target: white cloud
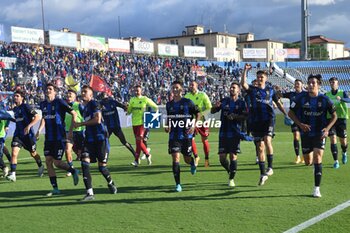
161 5
20 11
321 2
332 24
310 2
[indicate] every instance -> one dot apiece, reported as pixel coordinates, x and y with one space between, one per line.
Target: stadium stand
36 65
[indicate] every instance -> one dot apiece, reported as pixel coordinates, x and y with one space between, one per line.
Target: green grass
146 201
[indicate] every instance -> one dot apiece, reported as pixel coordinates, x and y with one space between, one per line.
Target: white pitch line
319 218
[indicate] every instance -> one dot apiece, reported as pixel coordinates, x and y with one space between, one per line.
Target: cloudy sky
275 19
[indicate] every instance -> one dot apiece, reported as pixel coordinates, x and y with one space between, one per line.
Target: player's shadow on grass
191 191
73 197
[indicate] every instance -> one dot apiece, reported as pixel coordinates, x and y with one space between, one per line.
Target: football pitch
146 201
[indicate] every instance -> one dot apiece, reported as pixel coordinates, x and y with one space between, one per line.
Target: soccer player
3 128
53 114
298 88
7 153
76 143
111 120
96 144
201 100
179 112
137 106
309 112
262 117
26 117
233 111
146 136
145 141
339 98
4 115
249 118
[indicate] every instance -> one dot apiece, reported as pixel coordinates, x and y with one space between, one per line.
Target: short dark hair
177 82
333 78
298 80
87 87
52 85
316 76
260 72
138 85
236 83
102 95
20 92
73 91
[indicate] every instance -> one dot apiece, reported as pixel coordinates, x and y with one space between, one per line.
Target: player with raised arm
262 117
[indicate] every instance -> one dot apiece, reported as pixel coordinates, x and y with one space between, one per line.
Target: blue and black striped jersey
24 114
313 111
260 104
110 112
179 115
292 95
96 132
231 128
54 114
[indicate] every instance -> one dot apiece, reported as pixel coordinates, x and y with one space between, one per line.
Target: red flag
2 65
98 84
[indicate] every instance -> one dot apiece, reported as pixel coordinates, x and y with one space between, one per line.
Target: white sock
90 192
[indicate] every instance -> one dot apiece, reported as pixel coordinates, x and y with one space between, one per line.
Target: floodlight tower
304 29
43 19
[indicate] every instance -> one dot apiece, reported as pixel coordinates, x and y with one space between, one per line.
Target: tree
316 51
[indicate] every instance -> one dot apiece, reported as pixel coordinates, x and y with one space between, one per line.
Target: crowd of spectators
37 65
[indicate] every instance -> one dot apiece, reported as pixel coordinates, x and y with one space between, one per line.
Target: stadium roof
261 40
320 39
196 35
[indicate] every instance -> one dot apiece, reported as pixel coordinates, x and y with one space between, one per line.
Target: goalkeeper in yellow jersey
137 106
201 100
